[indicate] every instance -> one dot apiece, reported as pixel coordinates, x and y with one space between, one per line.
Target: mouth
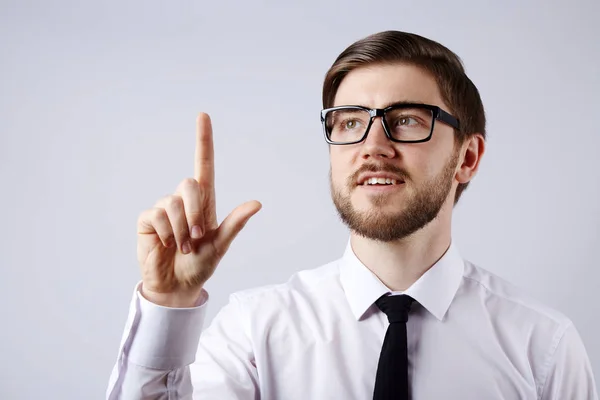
379 179
380 185
380 182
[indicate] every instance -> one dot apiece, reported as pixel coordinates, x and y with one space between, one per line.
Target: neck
400 263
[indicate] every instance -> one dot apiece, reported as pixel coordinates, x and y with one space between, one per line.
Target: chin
368 203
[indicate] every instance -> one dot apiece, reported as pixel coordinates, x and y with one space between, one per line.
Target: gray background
97 118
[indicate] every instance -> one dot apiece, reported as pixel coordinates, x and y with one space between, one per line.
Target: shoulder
507 297
535 336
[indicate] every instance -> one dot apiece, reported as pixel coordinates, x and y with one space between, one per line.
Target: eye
406 121
350 124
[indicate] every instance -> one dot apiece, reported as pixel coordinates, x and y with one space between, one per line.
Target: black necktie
392 370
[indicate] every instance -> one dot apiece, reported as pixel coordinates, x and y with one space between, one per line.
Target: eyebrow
395 103
401 103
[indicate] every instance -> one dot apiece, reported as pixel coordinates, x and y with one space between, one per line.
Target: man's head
392 68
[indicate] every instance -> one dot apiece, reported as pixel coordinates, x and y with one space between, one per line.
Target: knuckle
180 228
142 218
173 202
146 216
194 215
166 235
187 184
159 214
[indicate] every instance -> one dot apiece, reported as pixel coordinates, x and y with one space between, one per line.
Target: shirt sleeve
570 374
157 346
165 355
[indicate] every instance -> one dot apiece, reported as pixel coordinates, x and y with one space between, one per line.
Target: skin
431 170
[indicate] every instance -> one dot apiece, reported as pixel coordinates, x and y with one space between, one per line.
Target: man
401 315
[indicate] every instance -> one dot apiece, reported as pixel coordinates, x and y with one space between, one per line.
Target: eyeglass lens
406 124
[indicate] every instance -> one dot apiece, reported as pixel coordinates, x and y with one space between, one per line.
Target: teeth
380 181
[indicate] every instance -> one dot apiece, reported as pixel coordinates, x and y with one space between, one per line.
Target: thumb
233 224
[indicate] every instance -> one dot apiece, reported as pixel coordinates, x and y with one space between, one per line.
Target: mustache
392 169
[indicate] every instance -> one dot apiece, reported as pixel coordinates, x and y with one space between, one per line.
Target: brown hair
387 47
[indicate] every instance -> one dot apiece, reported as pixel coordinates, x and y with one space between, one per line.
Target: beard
419 209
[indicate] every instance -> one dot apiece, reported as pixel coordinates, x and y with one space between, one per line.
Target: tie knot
395 307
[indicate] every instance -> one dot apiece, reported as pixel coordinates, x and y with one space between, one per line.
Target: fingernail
186 247
196 232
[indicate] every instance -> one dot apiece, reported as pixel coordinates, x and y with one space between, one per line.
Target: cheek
338 179
340 165
423 161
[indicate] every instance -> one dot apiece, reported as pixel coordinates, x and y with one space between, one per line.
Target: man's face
424 172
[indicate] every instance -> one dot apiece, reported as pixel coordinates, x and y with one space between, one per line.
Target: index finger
204 169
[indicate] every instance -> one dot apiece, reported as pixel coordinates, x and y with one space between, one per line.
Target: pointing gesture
180 242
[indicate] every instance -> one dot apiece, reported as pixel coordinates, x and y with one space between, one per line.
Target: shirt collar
434 290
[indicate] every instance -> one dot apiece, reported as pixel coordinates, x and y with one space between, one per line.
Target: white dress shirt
471 335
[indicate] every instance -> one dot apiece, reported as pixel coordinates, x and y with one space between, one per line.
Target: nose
377 145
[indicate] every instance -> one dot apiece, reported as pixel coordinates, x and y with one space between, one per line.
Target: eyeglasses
402 122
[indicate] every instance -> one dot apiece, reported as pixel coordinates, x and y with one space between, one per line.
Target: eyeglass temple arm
447 118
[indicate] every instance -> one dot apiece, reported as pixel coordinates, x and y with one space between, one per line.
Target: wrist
183 299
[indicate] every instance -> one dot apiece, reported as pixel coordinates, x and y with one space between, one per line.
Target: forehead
377 86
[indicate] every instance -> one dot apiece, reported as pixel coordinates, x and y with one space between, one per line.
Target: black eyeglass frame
437 113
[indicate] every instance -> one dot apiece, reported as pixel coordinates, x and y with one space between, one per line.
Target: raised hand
180 242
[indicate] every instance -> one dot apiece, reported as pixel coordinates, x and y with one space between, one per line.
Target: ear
471 153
